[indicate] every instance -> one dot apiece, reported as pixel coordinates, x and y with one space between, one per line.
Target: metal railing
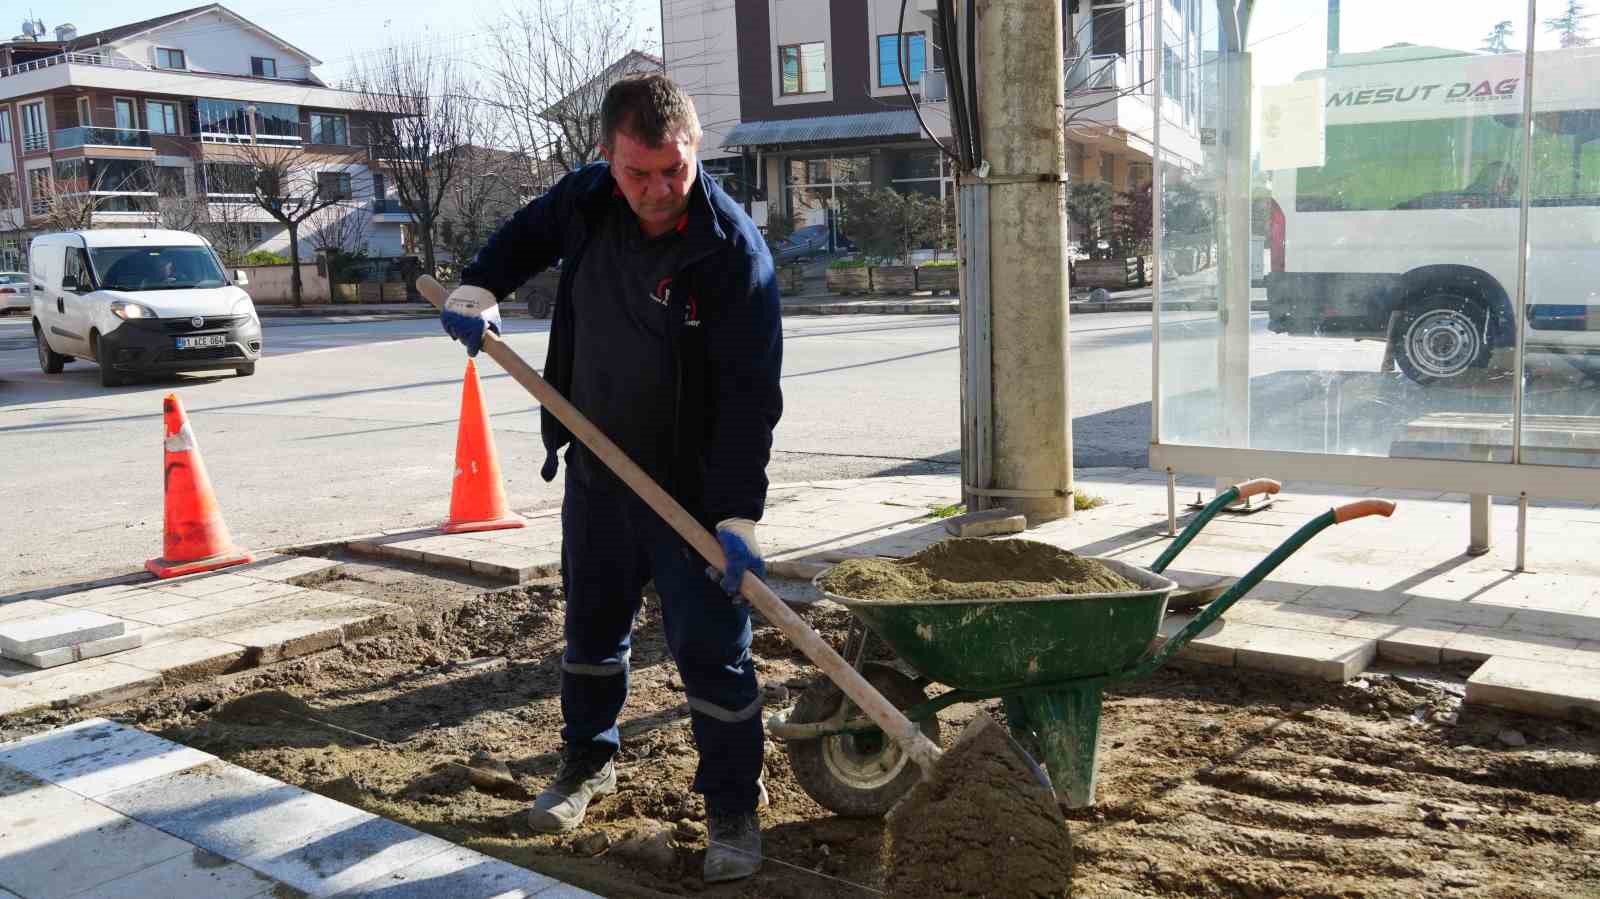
35 140
84 59
67 138
388 206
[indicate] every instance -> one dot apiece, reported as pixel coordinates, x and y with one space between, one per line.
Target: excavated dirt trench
1213 782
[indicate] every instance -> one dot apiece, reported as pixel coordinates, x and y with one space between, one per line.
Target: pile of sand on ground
983 825
975 569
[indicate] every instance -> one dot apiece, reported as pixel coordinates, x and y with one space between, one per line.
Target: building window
814 185
38 191
35 133
162 117
804 69
1109 28
333 185
329 129
229 179
8 194
5 125
913 50
1171 75
922 171
170 181
263 67
168 58
127 115
83 112
231 121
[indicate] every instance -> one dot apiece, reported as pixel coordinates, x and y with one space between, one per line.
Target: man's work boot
560 807
733 850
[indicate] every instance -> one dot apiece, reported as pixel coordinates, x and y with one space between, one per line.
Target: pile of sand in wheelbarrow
975 569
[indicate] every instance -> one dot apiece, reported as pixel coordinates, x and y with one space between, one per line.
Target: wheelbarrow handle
1253 487
1256 575
894 723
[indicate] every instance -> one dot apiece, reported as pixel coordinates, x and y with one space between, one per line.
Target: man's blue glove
738 539
467 313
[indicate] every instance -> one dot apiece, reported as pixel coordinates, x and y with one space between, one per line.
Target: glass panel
1364 274
125 115
889 60
1561 394
852 169
917 57
813 68
789 64
916 164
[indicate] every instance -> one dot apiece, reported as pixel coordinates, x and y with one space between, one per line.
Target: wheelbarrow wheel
856 775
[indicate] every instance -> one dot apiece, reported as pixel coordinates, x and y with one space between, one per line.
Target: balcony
388 206
33 141
1100 72
68 138
83 59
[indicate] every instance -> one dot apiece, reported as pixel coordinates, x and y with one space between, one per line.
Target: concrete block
85 598
28 608
1536 688
15 701
287 568
1328 657
1587 655
1367 602
195 873
1584 625
987 523
349 854
1288 615
205 584
1216 645
237 814
95 683
1399 640
1476 644
58 843
186 658
65 655
50 631
135 603
95 756
1422 610
280 640
461 872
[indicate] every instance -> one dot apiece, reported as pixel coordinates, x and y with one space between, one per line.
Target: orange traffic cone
477 496
196 539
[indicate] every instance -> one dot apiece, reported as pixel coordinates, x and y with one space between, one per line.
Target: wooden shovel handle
883 713
1361 508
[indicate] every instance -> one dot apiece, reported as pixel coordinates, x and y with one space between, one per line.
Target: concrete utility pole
1017 448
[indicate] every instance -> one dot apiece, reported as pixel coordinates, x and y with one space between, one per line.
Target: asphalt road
349 427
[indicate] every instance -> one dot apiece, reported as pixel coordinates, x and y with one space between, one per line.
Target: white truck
1409 230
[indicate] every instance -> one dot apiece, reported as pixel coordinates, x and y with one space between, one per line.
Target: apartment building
803 98
160 108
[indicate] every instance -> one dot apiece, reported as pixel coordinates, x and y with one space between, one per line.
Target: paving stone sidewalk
97 809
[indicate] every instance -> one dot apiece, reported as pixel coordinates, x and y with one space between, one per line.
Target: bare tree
340 228
291 183
493 185
551 62
227 226
423 112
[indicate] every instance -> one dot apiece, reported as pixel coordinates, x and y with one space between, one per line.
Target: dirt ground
1213 782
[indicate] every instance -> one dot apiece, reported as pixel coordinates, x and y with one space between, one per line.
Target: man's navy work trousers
612 545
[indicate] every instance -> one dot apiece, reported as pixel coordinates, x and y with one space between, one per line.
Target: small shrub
949 511
848 263
265 257
1082 502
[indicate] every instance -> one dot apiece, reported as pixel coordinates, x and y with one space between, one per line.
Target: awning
889 123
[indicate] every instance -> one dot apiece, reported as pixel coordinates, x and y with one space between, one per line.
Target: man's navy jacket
725 332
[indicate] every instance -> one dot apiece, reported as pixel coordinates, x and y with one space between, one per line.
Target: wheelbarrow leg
1066 724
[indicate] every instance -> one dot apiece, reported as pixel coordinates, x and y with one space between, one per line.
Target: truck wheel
246 370
1441 336
856 775
50 361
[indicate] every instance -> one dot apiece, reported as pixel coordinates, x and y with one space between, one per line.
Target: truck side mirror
241 278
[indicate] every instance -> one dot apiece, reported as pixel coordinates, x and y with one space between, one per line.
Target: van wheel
246 370
109 377
1441 336
50 361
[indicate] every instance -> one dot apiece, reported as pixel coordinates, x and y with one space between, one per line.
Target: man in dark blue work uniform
667 335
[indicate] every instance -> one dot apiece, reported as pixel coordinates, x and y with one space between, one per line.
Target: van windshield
156 268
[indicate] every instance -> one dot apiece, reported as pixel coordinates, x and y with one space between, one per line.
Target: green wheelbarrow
1049 660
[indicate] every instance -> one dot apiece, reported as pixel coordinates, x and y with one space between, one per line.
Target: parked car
16 291
139 301
804 244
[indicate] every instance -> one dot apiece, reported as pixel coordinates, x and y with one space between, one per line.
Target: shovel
917 747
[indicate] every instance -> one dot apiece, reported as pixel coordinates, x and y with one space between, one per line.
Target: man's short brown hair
650 108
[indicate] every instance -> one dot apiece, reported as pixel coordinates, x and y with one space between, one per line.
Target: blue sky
335 31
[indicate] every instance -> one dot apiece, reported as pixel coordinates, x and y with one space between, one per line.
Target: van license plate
204 340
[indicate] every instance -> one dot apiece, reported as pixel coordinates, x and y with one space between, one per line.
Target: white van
139 301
